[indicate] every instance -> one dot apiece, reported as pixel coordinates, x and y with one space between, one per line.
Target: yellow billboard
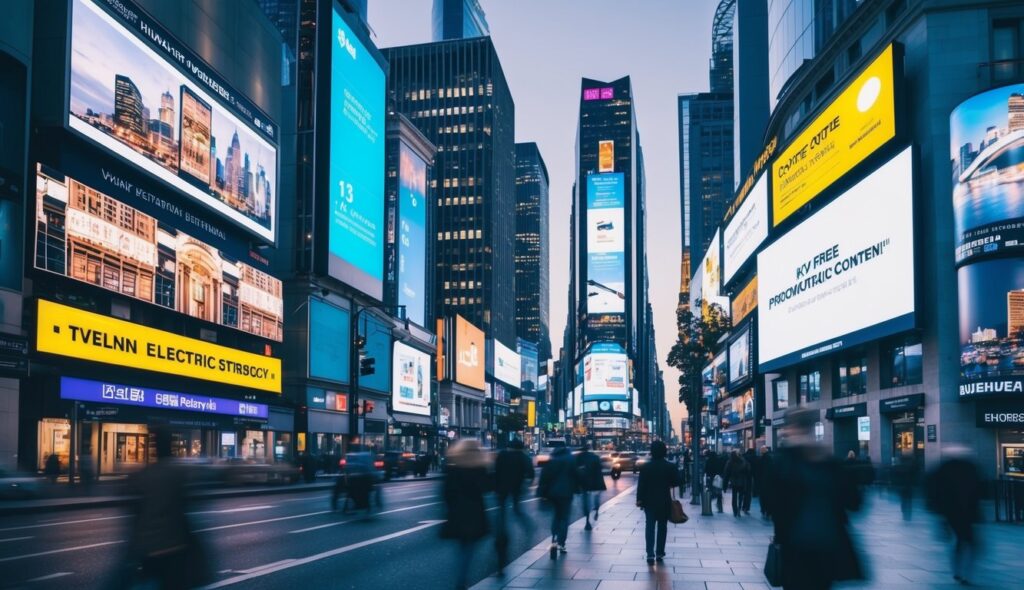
606 156
531 413
71 332
859 121
470 352
744 302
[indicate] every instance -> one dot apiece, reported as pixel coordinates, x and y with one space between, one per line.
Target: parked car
18 486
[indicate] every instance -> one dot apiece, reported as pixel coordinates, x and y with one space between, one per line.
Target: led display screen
528 356
711 276
104 392
745 231
470 354
845 275
606 373
412 234
740 358
145 97
328 342
606 238
991 298
356 167
378 348
507 367
410 390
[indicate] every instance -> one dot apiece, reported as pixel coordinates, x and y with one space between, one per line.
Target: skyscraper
455 92
749 84
1014 313
128 106
532 281
1016 112
458 19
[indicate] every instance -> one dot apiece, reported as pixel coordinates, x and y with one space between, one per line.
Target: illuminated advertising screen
104 392
845 275
740 359
507 367
528 357
986 144
142 95
606 156
87 235
745 231
606 373
412 234
606 239
328 351
711 276
605 93
378 348
860 120
991 300
744 302
470 354
356 168
410 375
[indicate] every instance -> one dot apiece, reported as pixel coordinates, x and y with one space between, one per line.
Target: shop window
810 386
851 376
902 362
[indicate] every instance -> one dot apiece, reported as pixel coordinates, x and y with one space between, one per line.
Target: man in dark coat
954 492
466 480
763 481
714 465
591 480
558 484
750 456
512 469
653 494
737 476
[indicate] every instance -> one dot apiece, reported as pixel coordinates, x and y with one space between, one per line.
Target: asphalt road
273 541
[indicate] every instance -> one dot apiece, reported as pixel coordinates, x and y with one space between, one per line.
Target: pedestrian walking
591 482
750 456
713 477
810 494
558 483
737 476
954 492
654 496
512 470
52 468
465 483
763 479
904 477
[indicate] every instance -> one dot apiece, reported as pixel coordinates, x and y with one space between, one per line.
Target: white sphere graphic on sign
869 94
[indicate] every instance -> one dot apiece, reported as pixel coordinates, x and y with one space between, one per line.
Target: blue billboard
412 234
356 168
606 244
529 364
103 392
378 347
328 342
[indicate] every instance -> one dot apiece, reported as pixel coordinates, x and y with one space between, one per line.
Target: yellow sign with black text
79 334
859 121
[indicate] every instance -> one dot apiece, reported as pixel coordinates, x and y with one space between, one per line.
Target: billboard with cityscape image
991 299
129 98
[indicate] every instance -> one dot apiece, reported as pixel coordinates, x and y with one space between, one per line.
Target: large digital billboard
138 92
507 367
991 300
356 162
744 302
845 275
329 350
412 234
711 275
86 235
745 231
470 354
740 359
858 122
105 392
410 389
528 354
378 348
606 373
606 239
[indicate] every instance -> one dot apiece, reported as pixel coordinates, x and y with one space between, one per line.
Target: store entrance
132 450
908 440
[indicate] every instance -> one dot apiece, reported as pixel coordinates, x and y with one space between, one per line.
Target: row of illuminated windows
455 182
463 266
460 110
448 285
465 147
462 128
468 200
428 93
461 235
463 300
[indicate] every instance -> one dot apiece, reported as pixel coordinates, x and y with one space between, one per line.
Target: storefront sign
933 434
906 403
851 411
864 428
13 353
145 397
71 332
1000 414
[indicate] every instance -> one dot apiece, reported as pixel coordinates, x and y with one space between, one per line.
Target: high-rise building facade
458 19
532 249
749 84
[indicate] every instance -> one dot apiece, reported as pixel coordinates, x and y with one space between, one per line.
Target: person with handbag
713 468
658 478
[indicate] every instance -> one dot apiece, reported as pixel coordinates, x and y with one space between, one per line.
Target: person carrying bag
658 479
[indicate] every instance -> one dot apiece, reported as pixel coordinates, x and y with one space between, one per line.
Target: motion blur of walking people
810 493
737 475
558 484
750 456
591 482
654 496
764 474
714 466
465 483
954 492
904 479
513 469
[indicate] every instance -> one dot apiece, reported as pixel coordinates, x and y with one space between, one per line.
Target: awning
405 418
327 422
904 403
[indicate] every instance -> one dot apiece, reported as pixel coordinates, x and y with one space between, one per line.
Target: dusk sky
545 48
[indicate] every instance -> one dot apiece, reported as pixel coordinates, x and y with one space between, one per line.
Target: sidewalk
721 552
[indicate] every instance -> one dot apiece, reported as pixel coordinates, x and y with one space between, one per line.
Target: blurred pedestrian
737 476
750 456
591 481
713 477
465 483
52 468
810 494
654 496
558 484
762 479
954 492
904 477
512 470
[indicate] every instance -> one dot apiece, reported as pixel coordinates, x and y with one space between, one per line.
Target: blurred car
398 463
624 461
544 455
606 462
18 486
640 461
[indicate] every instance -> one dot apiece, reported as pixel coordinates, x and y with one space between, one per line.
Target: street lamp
356 345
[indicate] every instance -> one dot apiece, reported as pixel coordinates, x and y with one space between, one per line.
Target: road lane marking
264 521
15 539
270 568
233 510
257 568
65 550
331 524
61 523
49 577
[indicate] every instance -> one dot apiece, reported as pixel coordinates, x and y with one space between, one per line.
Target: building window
852 376
810 386
902 362
1007 49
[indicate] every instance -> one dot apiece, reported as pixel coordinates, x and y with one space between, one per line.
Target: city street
272 541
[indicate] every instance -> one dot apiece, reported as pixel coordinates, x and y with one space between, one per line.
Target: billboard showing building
605 373
606 244
142 95
410 390
528 355
412 234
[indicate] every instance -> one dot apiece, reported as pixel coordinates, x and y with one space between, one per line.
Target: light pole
357 343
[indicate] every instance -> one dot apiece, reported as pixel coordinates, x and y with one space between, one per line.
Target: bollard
705 502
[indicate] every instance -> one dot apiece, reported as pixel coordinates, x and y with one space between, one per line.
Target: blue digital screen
412 234
328 342
146 397
606 243
378 347
356 176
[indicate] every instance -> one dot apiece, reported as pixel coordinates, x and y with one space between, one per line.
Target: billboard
845 275
986 144
860 120
606 156
745 231
470 353
711 275
528 354
83 335
740 359
606 372
412 234
605 93
410 380
86 235
378 348
103 392
328 353
991 328
745 302
142 95
507 367
606 243
356 163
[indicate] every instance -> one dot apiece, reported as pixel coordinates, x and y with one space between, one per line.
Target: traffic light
366 366
368 406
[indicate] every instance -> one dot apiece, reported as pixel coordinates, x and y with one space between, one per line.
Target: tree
511 423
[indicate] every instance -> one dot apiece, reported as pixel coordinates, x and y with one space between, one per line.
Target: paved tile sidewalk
721 552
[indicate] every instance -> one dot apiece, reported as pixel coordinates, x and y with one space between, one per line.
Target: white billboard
710 272
746 230
507 367
606 372
410 380
845 275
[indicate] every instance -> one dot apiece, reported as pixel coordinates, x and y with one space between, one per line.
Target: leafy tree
695 348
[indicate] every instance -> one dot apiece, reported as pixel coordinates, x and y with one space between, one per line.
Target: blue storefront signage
145 397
